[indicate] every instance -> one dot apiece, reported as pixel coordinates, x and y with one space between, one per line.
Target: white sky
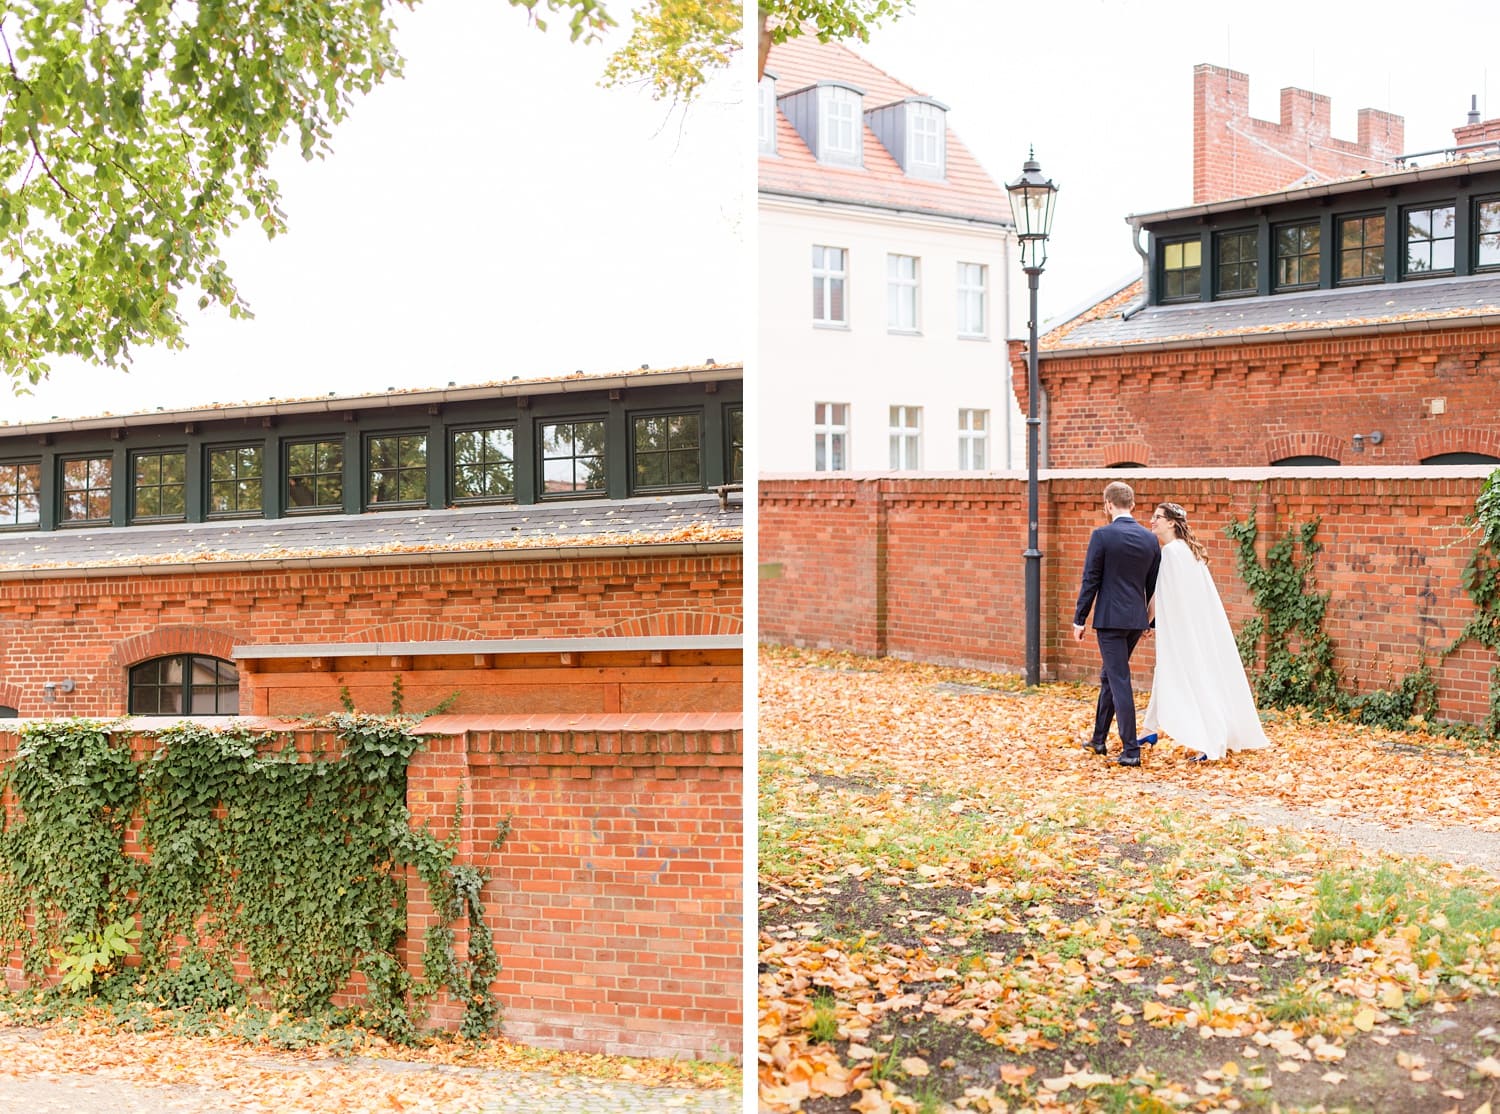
493 213
1104 89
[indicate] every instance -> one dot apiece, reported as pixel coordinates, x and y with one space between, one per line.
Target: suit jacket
1119 576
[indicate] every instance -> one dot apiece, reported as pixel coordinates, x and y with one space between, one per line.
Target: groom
1119 578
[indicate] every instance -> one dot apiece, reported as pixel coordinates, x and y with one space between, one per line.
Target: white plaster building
886 278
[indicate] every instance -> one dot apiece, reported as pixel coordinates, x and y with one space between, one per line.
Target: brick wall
1247 405
1236 155
1394 550
92 628
616 902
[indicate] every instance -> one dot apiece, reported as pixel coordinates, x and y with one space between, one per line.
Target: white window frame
973 440
826 278
840 126
901 283
973 300
906 438
830 436
766 115
926 141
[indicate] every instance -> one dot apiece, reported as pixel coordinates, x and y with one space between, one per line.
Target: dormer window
915 132
765 114
925 132
839 126
829 118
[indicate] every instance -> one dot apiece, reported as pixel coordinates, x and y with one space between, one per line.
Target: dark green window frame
1181 270
185 685
1487 233
236 481
1430 243
314 475
572 454
482 464
20 494
396 469
85 490
666 451
1361 239
734 444
1237 256
158 485
1299 255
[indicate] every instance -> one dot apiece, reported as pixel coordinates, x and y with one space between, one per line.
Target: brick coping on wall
1130 475
590 722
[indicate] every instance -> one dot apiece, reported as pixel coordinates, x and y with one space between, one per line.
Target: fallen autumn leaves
93 1050
960 908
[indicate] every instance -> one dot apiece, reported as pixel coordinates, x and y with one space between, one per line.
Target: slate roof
1415 306
378 537
967 191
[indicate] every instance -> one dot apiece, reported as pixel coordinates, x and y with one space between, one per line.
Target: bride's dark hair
1178 518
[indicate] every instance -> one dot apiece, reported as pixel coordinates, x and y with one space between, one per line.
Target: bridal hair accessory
1175 511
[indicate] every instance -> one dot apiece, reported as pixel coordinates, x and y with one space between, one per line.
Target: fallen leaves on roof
1058 340
695 533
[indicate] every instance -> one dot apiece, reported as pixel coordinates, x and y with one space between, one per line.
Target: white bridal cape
1200 695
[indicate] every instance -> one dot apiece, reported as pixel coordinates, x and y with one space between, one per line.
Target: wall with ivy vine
573 882
943 557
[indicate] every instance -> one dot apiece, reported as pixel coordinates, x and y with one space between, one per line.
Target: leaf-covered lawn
962 909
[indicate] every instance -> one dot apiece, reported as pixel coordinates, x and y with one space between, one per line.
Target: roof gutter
822 199
1322 189
1315 332
387 401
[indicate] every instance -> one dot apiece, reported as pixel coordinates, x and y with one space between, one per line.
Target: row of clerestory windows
1427 245
665 454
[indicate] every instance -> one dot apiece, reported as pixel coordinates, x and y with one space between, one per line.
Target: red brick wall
1236 155
93 628
1394 550
1247 405
1486 131
616 902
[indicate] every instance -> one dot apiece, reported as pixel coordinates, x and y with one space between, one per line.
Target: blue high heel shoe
1149 740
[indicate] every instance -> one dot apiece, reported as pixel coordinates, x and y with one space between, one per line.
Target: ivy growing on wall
1299 670
1481 579
294 863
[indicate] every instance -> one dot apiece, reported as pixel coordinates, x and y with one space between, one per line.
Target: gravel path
1459 845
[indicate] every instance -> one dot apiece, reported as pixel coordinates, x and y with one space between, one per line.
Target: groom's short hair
1119 495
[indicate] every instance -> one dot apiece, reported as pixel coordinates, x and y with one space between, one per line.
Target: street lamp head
1031 199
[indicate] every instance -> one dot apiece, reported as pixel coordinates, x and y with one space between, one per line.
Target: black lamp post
1031 200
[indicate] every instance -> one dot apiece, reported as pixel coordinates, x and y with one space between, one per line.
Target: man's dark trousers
1115 700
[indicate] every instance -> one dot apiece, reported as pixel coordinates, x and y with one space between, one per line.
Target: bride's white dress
1200 696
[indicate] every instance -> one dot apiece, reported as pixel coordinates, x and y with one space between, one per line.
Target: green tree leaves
134 138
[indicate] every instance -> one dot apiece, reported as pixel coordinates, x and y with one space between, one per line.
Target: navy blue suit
1119 577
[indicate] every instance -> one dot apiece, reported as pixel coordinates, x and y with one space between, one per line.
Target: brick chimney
1475 131
1236 155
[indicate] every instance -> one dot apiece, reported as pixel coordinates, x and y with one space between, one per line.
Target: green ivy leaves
296 862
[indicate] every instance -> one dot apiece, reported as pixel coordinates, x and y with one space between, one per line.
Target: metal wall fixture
50 689
1373 438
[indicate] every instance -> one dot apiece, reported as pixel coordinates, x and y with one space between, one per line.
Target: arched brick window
1303 461
1461 458
185 685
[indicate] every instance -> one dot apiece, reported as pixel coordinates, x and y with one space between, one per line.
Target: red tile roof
966 192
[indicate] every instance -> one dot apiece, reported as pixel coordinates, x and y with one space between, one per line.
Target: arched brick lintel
1460 439
173 640
667 623
1305 444
1127 452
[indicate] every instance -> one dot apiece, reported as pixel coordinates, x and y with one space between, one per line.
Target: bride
1200 696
